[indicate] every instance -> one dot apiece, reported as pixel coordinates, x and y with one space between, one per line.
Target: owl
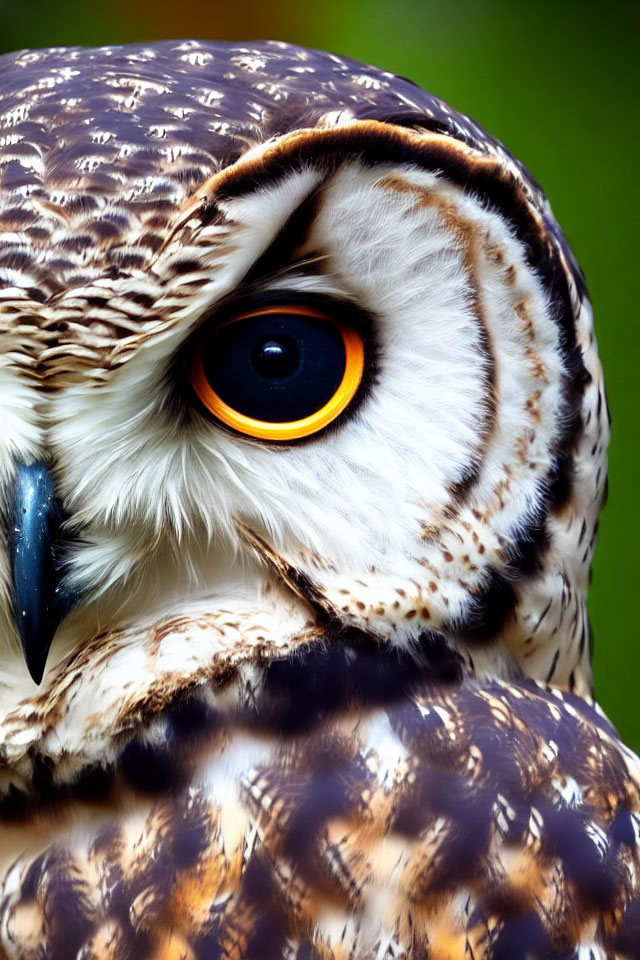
302 453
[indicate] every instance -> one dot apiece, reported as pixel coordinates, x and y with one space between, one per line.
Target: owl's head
299 351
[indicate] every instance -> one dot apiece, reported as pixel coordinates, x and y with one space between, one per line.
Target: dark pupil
275 367
274 359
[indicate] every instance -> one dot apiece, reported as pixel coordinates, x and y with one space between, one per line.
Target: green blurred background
557 82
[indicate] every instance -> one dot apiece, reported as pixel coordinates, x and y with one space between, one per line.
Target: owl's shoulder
338 807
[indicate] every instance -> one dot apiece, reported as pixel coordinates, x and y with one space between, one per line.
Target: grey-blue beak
35 544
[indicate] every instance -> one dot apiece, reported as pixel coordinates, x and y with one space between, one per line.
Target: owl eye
278 373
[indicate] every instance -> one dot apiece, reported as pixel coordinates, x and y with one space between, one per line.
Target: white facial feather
130 472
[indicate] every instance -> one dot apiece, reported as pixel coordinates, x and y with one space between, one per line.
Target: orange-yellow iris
294 429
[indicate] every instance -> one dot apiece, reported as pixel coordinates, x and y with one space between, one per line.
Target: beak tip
36 672
35 649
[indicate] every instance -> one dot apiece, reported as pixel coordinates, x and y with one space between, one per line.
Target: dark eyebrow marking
281 252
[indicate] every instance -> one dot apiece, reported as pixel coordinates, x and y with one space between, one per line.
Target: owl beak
40 603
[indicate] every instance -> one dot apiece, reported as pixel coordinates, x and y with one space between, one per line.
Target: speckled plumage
334 699
428 818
